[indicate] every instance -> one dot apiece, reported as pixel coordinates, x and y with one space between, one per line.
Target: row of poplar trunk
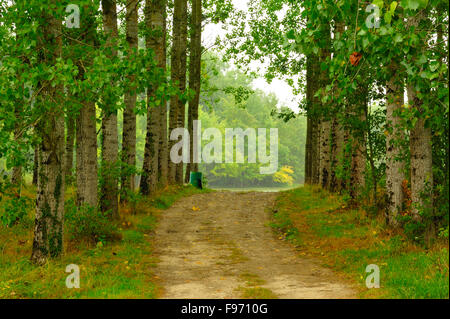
53 162
337 154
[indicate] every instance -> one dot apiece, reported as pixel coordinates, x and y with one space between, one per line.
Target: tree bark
325 124
308 150
195 63
420 146
16 177
313 104
35 166
163 150
86 122
86 154
325 156
48 230
337 132
182 78
421 161
110 143
69 146
175 62
155 17
129 116
358 110
395 167
337 153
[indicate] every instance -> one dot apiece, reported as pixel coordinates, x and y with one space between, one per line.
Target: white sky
280 88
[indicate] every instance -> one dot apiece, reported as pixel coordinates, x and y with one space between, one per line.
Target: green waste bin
196 180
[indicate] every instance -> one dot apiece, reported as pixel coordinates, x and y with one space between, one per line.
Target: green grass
253 289
121 269
166 199
252 280
347 241
256 293
255 189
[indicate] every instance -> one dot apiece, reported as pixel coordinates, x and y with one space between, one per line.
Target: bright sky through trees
278 87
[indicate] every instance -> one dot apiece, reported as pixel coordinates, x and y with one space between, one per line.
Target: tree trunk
421 161
325 156
395 167
16 177
420 146
110 143
155 17
182 78
337 132
86 154
309 123
86 122
325 124
69 146
175 61
150 168
308 150
371 159
129 116
178 65
358 110
315 157
195 63
313 105
337 153
35 166
48 231
163 150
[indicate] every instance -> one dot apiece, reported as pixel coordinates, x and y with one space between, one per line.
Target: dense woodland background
92 107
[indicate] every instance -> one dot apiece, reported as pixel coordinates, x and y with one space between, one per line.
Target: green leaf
378 3
434 66
291 34
388 17
414 4
422 59
365 42
398 38
393 6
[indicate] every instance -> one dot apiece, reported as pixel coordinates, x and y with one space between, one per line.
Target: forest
222 107
91 92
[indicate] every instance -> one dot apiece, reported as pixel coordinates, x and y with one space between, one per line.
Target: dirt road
219 246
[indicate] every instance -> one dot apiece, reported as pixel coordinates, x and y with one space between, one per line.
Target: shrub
13 210
443 233
88 223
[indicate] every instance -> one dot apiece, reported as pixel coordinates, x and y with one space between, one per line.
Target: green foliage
282 33
90 224
347 241
86 69
443 233
13 210
414 229
120 269
228 101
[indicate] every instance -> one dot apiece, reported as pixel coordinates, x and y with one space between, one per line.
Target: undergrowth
115 258
348 240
